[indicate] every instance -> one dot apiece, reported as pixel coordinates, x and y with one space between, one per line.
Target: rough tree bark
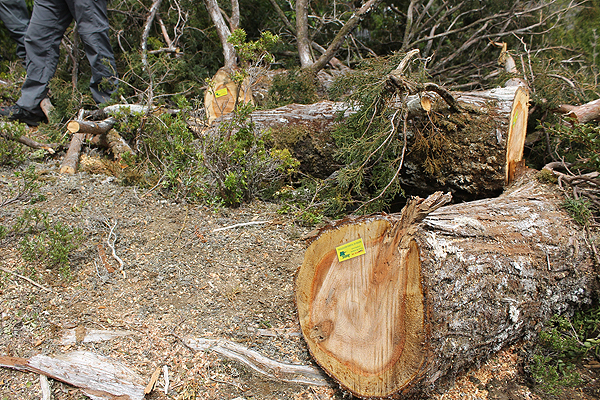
438 289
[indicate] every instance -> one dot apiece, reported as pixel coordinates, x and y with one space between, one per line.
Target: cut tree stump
438 288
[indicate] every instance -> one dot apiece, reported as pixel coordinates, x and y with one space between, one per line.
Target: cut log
470 153
69 164
424 299
47 107
93 127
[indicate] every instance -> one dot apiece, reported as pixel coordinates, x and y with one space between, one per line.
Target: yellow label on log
221 92
350 250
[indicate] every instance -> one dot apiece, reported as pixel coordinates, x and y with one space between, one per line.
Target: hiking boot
16 113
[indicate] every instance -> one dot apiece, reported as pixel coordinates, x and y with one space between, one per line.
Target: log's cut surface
434 294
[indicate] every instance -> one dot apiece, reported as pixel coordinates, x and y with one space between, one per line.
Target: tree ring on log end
363 318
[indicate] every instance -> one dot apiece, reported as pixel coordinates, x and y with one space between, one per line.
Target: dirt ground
180 278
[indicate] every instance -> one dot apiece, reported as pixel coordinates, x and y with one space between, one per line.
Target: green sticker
350 250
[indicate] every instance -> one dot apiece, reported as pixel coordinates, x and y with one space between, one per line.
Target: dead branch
110 241
96 376
27 279
581 114
339 39
401 83
45 386
270 368
241 224
72 336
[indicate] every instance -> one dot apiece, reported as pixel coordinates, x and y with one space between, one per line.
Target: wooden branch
72 336
268 367
339 39
581 114
96 376
241 224
27 141
45 386
95 128
69 164
46 107
27 279
117 145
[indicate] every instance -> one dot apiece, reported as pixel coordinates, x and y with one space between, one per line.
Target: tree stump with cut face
436 289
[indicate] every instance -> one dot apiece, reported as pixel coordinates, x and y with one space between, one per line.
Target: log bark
435 294
69 164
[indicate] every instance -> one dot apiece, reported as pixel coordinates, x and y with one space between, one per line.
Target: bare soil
180 278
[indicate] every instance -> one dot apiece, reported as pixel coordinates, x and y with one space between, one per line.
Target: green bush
46 241
562 343
240 162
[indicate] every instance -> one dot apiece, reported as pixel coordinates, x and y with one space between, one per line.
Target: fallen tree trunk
399 304
470 149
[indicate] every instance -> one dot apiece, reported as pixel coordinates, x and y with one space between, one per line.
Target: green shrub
563 342
12 152
46 241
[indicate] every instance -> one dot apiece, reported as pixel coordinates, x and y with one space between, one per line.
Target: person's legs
49 20
15 15
92 23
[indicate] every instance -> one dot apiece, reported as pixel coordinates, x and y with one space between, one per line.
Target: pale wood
98 377
224 95
47 107
93 127
45 386
581 114
430 299
71 159
267 367
517 131
70 336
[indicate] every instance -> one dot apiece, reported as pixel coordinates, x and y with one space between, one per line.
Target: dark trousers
49 21
15 15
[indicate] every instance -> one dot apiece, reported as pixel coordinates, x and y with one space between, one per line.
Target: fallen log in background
431 297
472 151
